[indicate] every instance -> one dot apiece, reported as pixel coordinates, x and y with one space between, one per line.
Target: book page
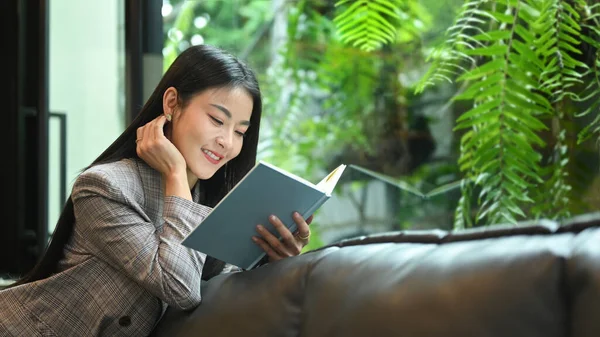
328 183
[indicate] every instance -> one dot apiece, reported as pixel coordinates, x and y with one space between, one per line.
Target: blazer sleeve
120 235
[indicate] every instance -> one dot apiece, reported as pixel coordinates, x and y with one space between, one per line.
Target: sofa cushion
539 279
583 284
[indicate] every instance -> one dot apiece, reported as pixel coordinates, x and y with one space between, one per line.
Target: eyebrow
228 113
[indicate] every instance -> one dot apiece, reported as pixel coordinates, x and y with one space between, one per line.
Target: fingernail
259 227
254 239
296 214
273 217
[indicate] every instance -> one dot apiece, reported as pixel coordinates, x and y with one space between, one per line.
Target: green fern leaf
367 24
561 35
492 36
462 214
554 198
451 54
590 96
505 120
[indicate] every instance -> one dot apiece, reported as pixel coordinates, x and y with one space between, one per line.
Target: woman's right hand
157 151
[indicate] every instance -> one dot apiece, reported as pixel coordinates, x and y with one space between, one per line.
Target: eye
216 121
241 134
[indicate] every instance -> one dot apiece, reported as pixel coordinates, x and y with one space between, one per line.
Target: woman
115 261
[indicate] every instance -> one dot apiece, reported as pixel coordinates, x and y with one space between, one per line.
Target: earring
169 117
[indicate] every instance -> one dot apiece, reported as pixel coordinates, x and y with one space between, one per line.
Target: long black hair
196 69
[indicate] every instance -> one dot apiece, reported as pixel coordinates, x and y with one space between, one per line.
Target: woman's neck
192 179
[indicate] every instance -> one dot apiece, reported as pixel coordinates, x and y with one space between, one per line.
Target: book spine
292 227
310 211
253 264
315 207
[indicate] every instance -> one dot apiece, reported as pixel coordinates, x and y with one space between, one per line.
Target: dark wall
24 94
9 137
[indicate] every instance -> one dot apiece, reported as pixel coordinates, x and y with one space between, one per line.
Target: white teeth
212 155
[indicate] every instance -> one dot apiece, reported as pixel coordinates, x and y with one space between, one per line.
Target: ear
170 101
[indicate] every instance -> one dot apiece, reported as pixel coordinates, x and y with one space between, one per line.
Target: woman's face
210 130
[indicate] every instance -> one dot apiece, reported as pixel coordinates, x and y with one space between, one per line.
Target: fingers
273 255
282 248
138 141
146 135
309 220
303 229
157 150
286 235
289 245
154 129
151 130
158 127
293 244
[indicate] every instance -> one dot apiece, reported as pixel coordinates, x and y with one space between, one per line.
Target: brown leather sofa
538 279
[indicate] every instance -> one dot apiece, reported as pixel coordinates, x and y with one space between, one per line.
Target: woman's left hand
290 244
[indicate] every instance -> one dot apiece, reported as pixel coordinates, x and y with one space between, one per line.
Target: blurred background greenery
351 82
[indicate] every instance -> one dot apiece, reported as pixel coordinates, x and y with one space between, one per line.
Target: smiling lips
212 157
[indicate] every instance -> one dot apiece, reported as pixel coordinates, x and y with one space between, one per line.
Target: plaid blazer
123 264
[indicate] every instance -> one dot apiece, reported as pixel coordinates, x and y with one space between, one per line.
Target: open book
226 233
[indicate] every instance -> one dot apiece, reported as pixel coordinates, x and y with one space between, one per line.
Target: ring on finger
303 237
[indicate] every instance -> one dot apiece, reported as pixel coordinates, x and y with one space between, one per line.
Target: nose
224 140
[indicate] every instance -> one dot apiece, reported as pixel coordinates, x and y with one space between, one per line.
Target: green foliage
497 151
330 93
553 199
239 26
525 70
181 27
591 94
450 58
333 87
462 215
559 37
519 63
370 24
366 23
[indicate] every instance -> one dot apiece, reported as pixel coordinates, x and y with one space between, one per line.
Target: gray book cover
226 233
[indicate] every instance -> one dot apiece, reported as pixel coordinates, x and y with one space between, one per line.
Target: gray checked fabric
123 264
